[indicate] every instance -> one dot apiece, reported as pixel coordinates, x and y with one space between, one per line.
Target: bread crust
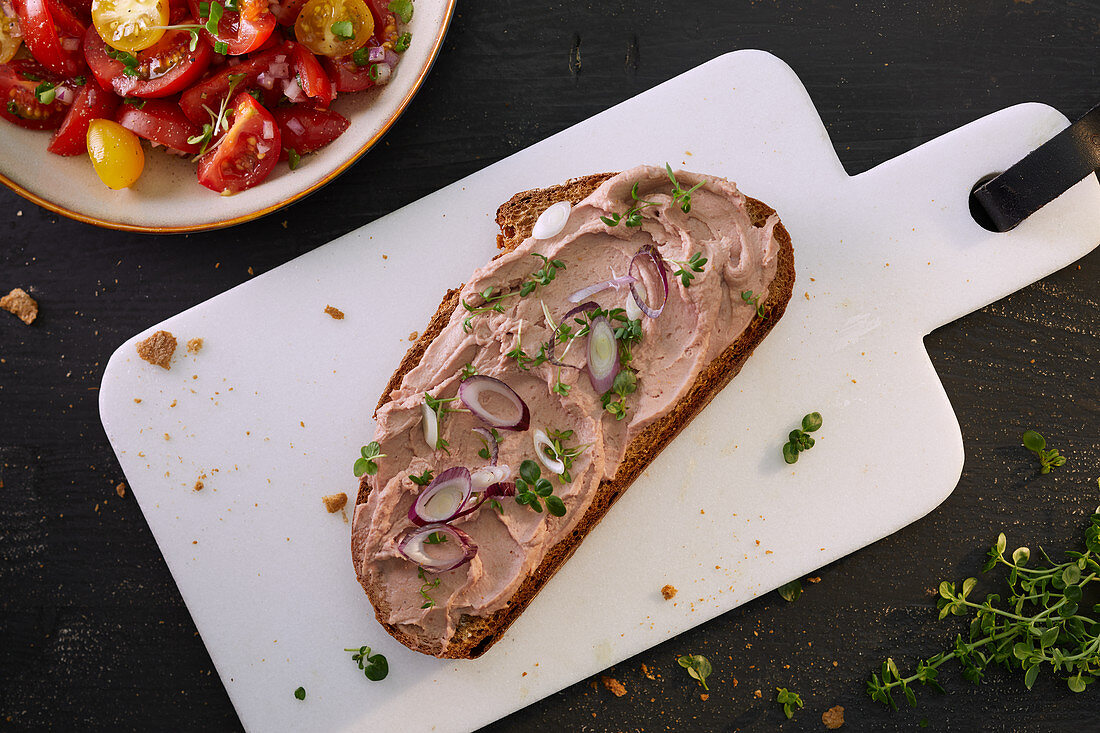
474 635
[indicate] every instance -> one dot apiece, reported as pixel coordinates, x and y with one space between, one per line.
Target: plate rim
56 208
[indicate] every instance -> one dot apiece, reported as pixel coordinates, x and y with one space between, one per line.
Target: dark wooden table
93 633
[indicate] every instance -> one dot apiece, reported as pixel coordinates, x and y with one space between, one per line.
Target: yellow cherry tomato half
115 152
10 41
334 27
130 25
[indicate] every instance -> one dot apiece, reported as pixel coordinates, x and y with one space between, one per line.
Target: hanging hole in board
977 211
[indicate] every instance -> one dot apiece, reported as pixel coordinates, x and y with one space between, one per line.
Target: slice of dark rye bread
475 634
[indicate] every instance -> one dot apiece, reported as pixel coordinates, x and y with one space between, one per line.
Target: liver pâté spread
509 309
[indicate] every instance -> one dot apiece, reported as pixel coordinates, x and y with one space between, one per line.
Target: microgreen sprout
698 668
300 693
679 195
220 120
375 667
791 591
688 268
523 360
401 45
532 490
467 372
492 304
438 405
799 440
614 399
1037 444
423 479
633 215
368 454
426 586
1039 623
789 700
484 452
561 451
543 276
754 301
129 61
435 538
210 13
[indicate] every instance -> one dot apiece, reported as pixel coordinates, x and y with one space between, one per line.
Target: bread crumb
336 313
335 502
194 346
414 336
647 673
158 349
758 694
833 718
704 696
614 686
137 400
814 579
121 490
250 271
669 592
199 485
21 305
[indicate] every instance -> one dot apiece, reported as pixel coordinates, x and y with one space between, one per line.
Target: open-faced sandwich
540 390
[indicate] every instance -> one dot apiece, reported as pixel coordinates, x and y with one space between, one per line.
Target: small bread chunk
23 306
833 718
158 349
194 346
613 686
121 490
669 592
335 502
336 313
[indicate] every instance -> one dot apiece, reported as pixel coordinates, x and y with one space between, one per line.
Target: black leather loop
1043 175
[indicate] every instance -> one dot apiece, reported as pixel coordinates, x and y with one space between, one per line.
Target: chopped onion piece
293 90
70 44
64 94
295 125
279 70
615 282
542 445
383 74
649 254
269 129
470 393
633 312
431 425
457 550
484 477
376 54
266 80
603 355
443 498
552 221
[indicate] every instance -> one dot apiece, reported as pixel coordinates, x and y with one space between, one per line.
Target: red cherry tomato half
52 33
247 153
161 70
306 129
211 91
311 76
288 11
92 102
242 31
18 101
161 121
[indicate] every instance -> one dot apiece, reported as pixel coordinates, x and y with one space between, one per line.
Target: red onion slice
588 306
439 557
603 355
490 444
443 498
542 443
648 253
470 393
615 282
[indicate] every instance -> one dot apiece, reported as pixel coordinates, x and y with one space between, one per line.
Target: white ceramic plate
168 197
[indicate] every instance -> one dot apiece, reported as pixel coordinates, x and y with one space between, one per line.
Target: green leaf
1033 441
1002 542
811 422
377 668
698 667
1021 555
1031 675
529 471
1076 684
1071 575
555 506
947 590
1021 651
293 158
1049 637
360 467
791 591
968 585
909 695
300 693
790 453
403 9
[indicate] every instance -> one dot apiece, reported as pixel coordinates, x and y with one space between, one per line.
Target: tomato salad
235 84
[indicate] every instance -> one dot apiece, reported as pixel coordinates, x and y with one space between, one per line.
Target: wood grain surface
93 633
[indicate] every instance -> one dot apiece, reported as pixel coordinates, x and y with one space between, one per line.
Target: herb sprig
614 399
754 301
1037 444
1039 623
800 440
698 668
688 268
423 479
375 666
365 463
543 276
633 215
220 122
679 195
438 405
532 490
561 451
789 700
426 586
403 9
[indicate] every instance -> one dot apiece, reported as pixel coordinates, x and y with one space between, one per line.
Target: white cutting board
274 408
